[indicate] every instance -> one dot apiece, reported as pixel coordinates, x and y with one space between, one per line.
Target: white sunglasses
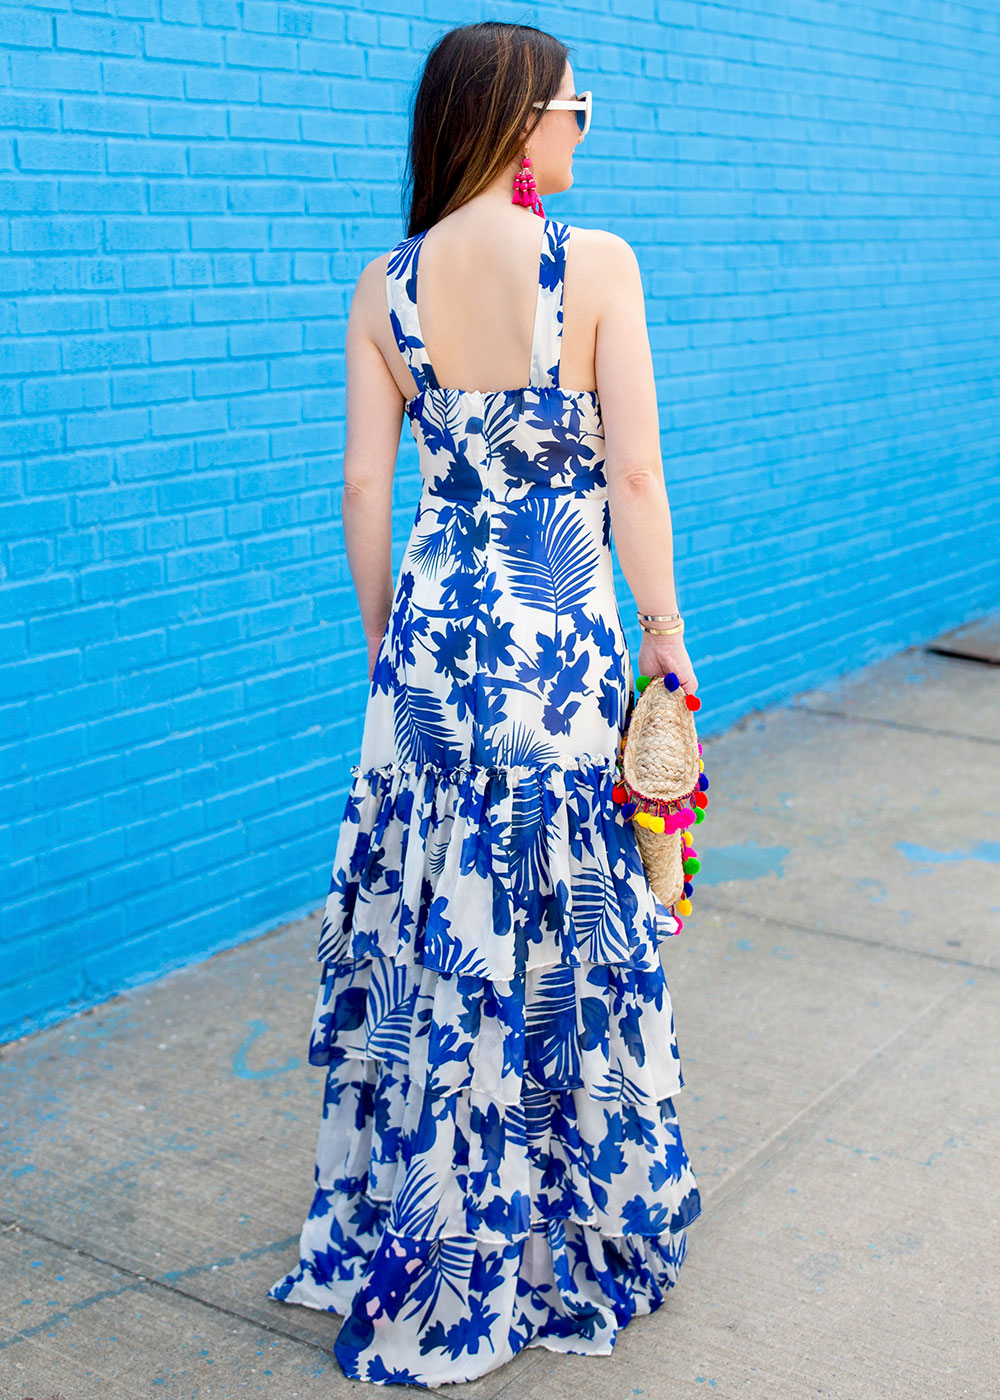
582 105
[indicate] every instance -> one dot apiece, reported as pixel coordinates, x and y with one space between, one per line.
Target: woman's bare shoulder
368 299
373 273
604 269
602 248
606 263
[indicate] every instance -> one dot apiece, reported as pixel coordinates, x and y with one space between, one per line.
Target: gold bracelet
661 631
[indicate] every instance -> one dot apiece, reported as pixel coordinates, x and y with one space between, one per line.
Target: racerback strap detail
546 344
546 339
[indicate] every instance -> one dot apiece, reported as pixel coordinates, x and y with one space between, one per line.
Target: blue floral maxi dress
499 1161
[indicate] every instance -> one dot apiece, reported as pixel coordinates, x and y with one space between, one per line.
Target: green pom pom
699 815
692 865
641 683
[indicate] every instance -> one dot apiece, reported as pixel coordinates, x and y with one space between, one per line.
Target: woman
499 1161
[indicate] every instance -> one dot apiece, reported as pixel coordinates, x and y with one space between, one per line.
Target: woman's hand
659 655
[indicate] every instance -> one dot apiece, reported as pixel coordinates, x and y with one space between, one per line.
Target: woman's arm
637 492
374 420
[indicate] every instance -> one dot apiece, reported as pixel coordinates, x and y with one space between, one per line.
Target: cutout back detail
546 340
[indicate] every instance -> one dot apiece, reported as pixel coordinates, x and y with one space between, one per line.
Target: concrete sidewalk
837 1003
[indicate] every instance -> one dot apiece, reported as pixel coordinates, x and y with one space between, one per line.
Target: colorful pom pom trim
676 814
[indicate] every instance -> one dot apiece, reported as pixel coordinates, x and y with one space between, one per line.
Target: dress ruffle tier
499 1161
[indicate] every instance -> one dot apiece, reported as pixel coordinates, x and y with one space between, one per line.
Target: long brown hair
473 100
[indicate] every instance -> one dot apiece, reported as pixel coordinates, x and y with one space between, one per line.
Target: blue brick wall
190 188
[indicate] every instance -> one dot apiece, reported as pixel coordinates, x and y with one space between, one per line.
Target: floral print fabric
499 1162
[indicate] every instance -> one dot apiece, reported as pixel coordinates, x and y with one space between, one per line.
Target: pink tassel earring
525 190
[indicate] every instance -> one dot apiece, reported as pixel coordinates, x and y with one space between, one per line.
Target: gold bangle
661 631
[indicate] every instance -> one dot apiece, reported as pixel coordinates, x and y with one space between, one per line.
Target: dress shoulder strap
401 297
546 344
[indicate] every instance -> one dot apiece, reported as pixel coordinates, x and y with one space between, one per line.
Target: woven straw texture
660 760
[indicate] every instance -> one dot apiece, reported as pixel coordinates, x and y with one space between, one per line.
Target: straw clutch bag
662 786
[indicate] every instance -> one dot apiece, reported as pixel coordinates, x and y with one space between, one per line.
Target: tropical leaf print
431 546
443 425
448 1265
421 728
497 426
415 1204
550 561
551 1040
597 919
524 747
389 1011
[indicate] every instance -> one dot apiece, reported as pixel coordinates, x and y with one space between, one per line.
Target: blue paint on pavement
242 1070
746 861
982 850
